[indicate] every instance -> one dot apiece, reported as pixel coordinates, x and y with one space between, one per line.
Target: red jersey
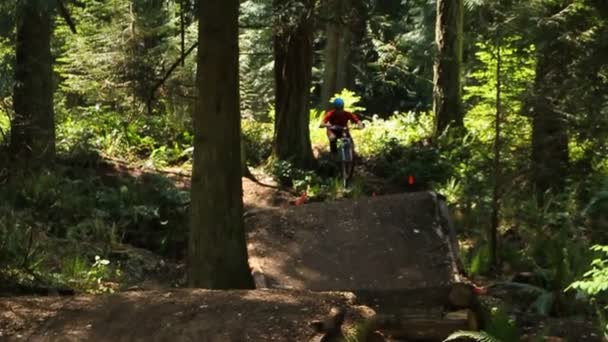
340 118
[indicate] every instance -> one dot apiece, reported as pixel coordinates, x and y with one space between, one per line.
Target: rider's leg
333 141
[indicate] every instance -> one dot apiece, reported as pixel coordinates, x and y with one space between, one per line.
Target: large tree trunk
330 62
549 126
218 253
33 126
340 51
293 56
447 104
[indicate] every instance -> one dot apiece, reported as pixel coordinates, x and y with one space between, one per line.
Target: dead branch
167 75
66 16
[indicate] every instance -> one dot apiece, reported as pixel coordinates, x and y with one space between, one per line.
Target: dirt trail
179 315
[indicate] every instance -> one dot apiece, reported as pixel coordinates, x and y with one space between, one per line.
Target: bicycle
346 153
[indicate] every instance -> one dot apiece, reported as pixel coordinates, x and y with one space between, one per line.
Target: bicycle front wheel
347 172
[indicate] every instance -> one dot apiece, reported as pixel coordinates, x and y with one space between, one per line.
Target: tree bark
341 48
549 125
330 59
217 248
33 126
447 104
497 162
293 56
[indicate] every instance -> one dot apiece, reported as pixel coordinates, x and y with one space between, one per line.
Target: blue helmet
339 103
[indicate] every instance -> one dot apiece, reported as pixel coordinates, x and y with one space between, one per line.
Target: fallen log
426 329
453 296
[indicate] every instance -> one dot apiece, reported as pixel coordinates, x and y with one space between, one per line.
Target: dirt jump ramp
391 242
397 254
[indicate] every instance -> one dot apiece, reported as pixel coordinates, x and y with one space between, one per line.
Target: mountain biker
336 118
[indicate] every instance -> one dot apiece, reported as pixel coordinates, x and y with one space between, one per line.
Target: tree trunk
217 248
497 162
293 56
344 59
340 49
33 126
447 104
549 126
330 61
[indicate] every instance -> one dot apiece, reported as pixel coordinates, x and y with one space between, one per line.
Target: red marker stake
410 180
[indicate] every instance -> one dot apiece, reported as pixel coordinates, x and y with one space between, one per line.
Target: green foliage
256 64
18 245
87 208
594 284
120 52
479 262
399 147
6 84
597 213
351 101
257 138
317 186
89 278
517 73
501 328
157 140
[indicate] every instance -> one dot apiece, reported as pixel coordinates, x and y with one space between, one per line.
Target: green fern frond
479 336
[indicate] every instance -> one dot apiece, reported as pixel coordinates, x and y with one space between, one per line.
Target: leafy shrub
351 101
157 139
316 186
594 284
257 141
83 276
88 207
597 213
19 246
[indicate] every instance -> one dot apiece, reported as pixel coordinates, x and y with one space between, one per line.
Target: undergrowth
59 225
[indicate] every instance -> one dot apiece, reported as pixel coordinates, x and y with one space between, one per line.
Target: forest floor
384 243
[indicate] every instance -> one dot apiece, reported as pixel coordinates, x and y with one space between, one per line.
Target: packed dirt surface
381 243
264 195
179 315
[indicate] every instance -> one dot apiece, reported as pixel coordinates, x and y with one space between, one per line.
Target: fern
479 336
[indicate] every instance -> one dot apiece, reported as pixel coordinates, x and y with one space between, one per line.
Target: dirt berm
393 242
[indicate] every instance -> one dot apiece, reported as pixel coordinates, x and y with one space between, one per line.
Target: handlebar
337 127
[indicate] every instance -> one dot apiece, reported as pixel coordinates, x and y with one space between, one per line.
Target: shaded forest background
501 106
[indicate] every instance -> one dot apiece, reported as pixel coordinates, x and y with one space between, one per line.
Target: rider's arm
354 118
325 121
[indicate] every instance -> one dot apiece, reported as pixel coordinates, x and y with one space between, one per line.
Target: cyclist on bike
335 121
